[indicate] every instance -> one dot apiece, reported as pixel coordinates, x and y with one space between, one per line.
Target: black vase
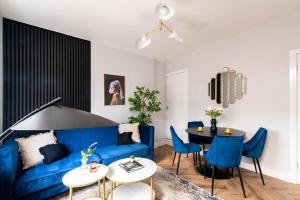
213 126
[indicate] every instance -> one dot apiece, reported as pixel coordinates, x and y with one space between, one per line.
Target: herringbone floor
229 189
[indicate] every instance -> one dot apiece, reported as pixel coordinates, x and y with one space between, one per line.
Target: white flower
210 108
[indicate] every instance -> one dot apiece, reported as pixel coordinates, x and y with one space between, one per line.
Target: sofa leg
174 158
178 164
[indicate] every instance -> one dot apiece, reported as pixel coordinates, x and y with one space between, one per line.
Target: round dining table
206 137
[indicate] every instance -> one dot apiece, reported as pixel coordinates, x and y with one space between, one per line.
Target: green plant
214 113
144 101
85 153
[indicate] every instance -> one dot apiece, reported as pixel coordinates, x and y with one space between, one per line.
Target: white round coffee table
80 178
130 186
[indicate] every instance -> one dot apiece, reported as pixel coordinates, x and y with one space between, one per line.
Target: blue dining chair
182 148
195 124
225 152
255 147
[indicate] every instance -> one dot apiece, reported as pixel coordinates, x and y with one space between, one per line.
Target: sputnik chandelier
164 13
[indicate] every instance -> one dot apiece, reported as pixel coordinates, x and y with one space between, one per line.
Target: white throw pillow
29 148
134 128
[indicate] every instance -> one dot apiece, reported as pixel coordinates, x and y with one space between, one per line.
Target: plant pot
213 126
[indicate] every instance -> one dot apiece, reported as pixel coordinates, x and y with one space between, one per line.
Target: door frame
173 73
294 114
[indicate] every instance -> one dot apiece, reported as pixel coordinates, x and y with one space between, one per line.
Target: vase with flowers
213 113
86 153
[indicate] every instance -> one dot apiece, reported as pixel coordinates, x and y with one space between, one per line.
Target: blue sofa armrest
147 138
9 167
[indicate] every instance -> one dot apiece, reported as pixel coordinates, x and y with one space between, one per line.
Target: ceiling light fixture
163 12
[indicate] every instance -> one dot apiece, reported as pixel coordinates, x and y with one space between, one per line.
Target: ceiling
117 23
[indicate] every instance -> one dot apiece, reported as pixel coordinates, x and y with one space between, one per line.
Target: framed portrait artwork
114 90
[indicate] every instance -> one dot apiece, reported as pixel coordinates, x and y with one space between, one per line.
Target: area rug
167 185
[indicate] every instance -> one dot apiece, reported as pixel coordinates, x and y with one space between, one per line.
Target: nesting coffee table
129 186
80 178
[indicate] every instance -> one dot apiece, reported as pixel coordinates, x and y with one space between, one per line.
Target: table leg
99 188
151 184
111 189
103 194
71 193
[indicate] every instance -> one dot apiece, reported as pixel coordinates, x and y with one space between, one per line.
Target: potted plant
132 158
213 113
145 102
86 153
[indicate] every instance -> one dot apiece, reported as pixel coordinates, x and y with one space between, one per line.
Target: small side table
130 186
77 178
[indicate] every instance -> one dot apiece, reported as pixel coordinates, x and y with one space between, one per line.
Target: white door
298 125
177 103
294 115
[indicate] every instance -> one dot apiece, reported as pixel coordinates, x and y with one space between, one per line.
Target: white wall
160 118
1 71
262 54
138 71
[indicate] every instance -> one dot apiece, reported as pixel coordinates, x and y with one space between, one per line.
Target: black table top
221 132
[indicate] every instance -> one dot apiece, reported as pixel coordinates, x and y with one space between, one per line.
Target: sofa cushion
53 152
42 176
112 153
29 148
77 139
124 138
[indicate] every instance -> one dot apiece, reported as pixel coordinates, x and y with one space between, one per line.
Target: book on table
131 166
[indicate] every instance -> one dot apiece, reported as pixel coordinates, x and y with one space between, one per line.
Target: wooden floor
229 189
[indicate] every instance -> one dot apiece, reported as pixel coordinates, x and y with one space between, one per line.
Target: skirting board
159 143
269 172
249 166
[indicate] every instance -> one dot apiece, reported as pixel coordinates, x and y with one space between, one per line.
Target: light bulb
175 36
142 41
164 12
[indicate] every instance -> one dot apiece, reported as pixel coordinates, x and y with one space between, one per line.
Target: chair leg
187 155
199 157
205 168
254 165
213 180
241 180
174 158
232 172
178 163
261 175
194 158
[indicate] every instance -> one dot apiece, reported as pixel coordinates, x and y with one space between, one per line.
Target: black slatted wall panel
41 65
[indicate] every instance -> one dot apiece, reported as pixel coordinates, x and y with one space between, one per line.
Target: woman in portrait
115 89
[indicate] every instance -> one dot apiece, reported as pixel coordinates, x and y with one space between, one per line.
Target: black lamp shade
61 118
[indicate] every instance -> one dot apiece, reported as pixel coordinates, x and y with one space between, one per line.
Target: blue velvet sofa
43 181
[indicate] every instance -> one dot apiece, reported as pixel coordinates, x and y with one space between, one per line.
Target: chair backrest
225 151
178 144
257 142
195 124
